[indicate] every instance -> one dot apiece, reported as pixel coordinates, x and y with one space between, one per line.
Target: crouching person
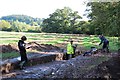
93 50
22 50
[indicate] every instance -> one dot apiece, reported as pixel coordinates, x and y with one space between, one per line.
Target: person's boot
107 50
103 50
21 65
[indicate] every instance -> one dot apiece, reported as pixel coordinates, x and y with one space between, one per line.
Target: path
77 67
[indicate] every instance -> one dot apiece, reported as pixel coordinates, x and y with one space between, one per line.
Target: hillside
22 18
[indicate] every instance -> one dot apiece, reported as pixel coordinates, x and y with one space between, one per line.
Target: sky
39 8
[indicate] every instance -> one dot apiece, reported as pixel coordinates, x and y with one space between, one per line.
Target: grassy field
53 38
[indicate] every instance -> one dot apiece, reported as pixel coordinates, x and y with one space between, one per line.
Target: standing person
74 48
105 43
70 50
22 49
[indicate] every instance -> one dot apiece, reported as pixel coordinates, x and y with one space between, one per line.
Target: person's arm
22 45
101 42
28 47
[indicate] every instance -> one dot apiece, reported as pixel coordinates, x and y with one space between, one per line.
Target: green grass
8 41
87 42
9 55
52 42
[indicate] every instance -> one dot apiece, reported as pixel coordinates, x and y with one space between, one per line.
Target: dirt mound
8 48
42 47
34 46
109 70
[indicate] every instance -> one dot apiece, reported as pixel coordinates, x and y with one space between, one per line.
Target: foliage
20 23
5 25
23 18
62 21
105 18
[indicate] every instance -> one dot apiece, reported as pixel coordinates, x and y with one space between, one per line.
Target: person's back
69 49
103 39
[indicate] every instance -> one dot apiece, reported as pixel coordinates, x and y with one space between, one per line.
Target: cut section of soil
34 46
8 48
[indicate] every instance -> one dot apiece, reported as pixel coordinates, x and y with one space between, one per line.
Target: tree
19 26
62 21
23 18
105 17
20 23
5 25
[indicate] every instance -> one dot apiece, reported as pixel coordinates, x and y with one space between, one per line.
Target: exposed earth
109 68
34 46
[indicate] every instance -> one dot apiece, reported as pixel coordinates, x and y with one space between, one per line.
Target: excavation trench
76 67
52 65
33 59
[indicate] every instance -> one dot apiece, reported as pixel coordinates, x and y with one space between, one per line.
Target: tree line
20 23
104 19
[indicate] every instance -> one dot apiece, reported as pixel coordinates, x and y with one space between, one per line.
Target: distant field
53 38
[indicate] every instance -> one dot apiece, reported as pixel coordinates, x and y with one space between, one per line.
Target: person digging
22 50
105 42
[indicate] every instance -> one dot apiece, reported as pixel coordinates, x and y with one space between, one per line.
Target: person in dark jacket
74 49
105 43
22 49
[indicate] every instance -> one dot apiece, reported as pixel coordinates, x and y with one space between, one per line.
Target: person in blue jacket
105 43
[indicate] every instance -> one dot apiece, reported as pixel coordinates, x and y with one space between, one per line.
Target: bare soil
108 69
34 46
8 48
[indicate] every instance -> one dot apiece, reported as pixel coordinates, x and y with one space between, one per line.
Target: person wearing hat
105 43
22 50
70 49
